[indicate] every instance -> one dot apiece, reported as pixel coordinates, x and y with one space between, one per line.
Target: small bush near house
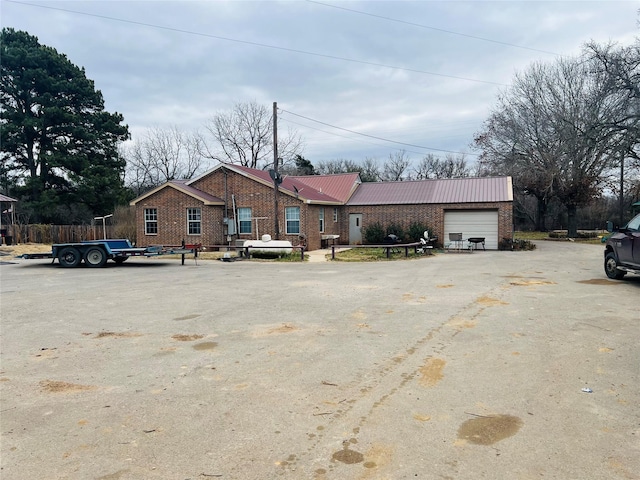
397 230
373 234
515 244
416 231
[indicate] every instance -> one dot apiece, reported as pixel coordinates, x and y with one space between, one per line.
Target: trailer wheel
95 257
69 257
120 260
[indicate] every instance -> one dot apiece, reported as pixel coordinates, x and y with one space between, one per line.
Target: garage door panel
473 223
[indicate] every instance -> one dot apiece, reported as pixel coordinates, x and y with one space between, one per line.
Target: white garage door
473 223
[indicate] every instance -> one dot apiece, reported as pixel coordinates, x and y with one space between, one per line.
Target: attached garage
473 223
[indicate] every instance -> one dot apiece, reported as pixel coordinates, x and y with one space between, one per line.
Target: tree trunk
541 225
572 221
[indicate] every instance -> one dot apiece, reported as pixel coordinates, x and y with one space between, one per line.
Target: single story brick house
232 203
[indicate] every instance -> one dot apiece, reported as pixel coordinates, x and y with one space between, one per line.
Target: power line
375 137
341 136
432 28
258 44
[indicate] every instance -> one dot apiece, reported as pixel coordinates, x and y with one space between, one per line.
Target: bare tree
546 132
370 170
162 155
244 135
621 68
395 168
432 166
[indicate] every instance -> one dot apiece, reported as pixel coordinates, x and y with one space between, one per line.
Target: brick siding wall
172 205
430 215
172 214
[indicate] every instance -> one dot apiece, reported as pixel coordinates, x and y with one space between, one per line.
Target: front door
355 229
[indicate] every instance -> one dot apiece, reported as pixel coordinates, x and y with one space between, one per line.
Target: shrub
373 234
397 230
416 231
515 244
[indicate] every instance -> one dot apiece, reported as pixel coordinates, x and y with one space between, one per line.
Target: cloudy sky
423 74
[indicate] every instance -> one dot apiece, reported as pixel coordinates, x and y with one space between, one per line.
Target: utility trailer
95 253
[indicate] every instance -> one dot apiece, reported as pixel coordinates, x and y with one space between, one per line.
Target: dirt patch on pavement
53 386
285 328
205 346
432 372
118 334
15 250
529 283
186 338
490 301
599 281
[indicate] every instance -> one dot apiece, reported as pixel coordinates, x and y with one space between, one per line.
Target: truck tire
95 257
611 267
69 257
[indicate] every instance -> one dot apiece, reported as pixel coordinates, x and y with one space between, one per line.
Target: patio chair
455 242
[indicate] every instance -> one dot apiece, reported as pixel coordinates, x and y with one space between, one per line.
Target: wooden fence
55 233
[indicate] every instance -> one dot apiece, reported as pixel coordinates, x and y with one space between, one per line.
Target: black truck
622 250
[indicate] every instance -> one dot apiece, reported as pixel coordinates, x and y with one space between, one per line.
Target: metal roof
4 198
450 190
332 189
194 192
339 186
346 189
181 185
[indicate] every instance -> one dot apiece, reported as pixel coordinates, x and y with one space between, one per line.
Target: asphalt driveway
455 366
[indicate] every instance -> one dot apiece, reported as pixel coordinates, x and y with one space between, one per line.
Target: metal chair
455 241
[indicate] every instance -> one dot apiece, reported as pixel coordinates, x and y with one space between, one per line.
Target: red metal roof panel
453 190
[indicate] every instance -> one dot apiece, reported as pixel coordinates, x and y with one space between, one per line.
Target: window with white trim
244 220
321 219
150 221
292 220
335 214
194 221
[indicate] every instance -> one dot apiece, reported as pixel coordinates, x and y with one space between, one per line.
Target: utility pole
276 182
621 199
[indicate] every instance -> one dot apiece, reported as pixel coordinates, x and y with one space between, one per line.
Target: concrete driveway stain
487 430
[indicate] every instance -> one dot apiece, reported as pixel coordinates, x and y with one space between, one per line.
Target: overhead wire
288 120
376 137
419 25
258 44
263 45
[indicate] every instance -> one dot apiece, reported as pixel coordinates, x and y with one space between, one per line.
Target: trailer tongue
95 253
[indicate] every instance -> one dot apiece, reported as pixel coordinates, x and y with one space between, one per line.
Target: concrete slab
448 366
